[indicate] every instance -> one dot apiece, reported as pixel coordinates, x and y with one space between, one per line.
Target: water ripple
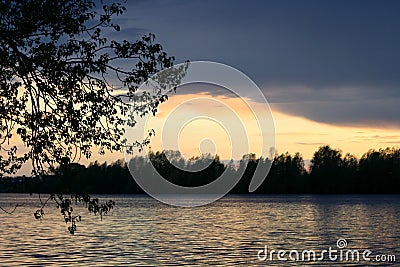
143 232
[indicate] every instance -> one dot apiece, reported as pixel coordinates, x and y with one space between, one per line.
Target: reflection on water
143 232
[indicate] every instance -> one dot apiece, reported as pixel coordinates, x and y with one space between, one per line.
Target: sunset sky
329 69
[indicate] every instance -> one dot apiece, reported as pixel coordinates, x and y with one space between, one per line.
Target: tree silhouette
286 176
62 90
326 169
378 171
349 180
194 172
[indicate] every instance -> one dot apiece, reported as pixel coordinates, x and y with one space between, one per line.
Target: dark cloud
342 106
210 89
329 61
372 113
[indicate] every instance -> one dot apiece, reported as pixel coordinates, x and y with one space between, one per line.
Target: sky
330 70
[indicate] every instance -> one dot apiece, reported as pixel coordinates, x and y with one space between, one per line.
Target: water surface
143 232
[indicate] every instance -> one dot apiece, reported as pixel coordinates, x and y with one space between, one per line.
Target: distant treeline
330 172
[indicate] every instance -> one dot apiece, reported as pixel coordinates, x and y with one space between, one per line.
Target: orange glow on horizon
293 134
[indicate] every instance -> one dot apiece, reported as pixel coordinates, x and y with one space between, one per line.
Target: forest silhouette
330 172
